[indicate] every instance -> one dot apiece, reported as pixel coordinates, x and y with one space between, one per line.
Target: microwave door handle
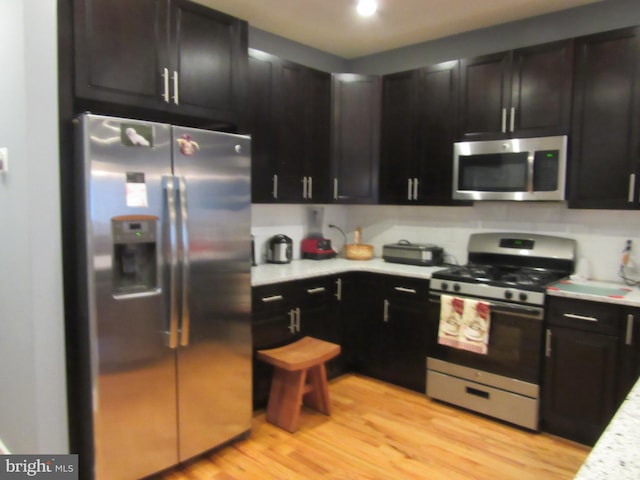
530 171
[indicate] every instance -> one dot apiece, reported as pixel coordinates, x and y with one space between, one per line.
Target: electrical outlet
4 159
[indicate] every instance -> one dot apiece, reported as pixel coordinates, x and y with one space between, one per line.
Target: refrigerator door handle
186 265
169 191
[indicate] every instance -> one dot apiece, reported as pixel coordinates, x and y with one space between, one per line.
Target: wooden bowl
358 251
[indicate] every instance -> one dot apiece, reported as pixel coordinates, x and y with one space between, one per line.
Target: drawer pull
405 289
477 393
315 290
580 317
273 298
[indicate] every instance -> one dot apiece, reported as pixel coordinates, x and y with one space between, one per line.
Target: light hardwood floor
378 431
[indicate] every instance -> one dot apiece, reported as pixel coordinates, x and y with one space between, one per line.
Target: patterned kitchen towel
464 324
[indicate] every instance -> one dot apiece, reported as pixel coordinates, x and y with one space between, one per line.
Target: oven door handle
506 308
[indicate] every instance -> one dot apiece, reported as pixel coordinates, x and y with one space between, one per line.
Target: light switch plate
4 159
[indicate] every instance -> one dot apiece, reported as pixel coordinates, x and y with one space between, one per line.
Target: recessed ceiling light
366 8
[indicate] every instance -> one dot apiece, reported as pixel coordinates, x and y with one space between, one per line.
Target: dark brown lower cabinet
581 368
630 354
286 312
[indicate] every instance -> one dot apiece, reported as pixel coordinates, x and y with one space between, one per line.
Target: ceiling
333 26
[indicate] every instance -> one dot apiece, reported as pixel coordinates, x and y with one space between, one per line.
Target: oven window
506 347
494 172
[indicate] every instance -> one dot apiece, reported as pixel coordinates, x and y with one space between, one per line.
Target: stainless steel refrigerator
166 264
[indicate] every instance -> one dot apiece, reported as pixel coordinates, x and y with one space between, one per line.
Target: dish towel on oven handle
464 324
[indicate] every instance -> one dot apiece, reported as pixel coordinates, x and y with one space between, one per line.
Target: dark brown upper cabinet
161 55
419 125
519 93
605 130
289 119
355 138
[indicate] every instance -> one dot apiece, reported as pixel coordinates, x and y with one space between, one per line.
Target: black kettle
279 249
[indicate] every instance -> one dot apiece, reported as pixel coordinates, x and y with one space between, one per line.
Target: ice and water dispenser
135 268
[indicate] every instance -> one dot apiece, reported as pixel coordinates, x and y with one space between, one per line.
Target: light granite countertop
596 291
269 273
616 455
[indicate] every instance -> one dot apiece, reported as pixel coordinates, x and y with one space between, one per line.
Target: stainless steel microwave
521 169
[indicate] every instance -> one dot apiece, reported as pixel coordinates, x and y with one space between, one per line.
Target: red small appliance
317 248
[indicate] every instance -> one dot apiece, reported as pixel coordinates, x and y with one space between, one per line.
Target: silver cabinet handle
335 188
385 314
176 99
169 188
338 293
632 188
405 289
275 186
273 298
409 188
292 321
629 335
304 187
547 344
580 317
310 188
186 264
512 120
504 120
313 291
298 319
415 189
165 82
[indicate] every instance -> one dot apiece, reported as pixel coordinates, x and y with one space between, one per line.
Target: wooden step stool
299 377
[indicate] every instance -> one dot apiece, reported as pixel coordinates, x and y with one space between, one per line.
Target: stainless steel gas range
509 272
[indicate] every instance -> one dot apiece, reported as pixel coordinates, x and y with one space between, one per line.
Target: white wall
33 415
601 234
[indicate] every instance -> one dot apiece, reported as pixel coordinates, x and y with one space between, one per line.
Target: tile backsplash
601 234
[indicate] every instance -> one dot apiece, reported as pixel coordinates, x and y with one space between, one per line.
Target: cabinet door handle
504 120
385 313
629 335
310 188
415 189
292 321
512 120
338 293
580 317
275 187
165 82
547 344
405 290
304 187
298 319
409 188
273 298
313 291
632 188
335 188
176 99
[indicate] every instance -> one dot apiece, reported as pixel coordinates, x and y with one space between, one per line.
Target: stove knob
523 297
444 286
456 287
508 295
